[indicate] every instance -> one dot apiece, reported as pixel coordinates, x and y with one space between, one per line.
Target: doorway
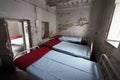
19 34
45 30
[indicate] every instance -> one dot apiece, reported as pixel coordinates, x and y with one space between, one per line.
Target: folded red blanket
26 60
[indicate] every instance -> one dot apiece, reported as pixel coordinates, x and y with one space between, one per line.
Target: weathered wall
18 9
68 18
100 22
14 28
46 16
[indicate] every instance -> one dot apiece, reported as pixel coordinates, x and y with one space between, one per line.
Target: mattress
47 64
69 48
17 41
68 38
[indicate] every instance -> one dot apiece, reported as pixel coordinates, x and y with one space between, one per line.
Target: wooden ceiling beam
69 3
54 2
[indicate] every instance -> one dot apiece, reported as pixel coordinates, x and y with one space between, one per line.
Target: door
27 33
18 35
5 47
6 54
45 30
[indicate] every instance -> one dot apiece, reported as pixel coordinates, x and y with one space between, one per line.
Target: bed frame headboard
25 51
109 72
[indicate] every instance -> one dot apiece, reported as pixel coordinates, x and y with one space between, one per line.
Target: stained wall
68 21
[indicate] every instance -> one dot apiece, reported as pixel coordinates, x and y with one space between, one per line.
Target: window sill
114 44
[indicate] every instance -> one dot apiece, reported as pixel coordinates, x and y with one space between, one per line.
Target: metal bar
26 51
108 65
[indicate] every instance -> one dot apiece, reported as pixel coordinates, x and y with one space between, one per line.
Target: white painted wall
19 9
71 15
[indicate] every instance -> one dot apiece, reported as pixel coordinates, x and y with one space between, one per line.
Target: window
114 32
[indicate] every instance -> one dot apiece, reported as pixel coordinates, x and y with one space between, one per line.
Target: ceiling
60 4
69 3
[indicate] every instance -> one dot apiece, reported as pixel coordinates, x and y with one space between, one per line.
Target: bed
17 40
68 38
17 44
46 64
76 50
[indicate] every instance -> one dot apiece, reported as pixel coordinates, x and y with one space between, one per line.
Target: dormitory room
59 39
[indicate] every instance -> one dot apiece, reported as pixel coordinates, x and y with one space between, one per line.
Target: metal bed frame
109 72
25 52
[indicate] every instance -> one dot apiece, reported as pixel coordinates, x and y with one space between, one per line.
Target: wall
67 21
100 22
14 28
46 16
19 9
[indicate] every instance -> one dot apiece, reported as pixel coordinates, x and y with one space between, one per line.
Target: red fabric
24 61
15 37
57 36
52 42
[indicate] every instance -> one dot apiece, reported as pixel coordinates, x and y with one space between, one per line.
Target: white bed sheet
73 49
70 39
18 41
58 66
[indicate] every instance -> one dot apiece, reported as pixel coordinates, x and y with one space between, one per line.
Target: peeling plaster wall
18 9
100 22
45 16
69 17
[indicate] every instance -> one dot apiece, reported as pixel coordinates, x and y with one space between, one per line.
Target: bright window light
114 32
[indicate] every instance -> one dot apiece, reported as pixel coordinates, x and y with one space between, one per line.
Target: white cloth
58 66
18 41
70 39
74 49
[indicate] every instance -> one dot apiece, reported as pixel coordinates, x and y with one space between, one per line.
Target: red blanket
26 60
57 36
15 37
52 42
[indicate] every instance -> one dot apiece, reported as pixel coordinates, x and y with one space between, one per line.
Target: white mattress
58 66
73 49
18 41
70 39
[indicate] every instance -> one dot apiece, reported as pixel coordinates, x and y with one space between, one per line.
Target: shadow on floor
16 75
